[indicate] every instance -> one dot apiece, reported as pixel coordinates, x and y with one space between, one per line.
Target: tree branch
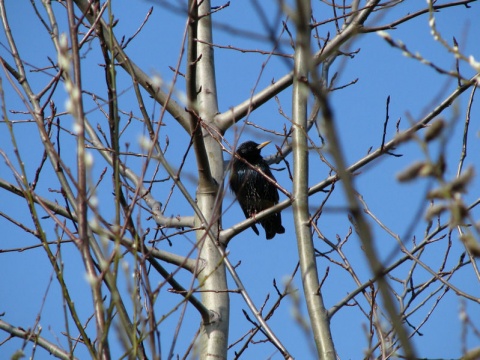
319 320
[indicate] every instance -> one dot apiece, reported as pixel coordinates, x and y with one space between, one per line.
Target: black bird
253 191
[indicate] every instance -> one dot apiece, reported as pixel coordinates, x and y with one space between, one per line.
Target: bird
253 191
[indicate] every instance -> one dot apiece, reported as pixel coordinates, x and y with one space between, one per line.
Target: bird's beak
262 145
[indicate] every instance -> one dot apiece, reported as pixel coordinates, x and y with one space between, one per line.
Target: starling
253 191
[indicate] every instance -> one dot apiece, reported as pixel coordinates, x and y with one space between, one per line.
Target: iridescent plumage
254 192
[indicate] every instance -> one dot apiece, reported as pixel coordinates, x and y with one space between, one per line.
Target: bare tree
118 172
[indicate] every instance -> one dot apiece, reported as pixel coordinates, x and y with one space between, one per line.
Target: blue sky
359 111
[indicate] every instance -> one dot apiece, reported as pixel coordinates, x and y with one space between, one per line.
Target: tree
122 239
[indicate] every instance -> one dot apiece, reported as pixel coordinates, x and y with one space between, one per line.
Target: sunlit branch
319 321
163 98
400 261
55 209
31 336
235 114
418 13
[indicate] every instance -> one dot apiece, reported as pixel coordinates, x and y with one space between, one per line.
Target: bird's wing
268 190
